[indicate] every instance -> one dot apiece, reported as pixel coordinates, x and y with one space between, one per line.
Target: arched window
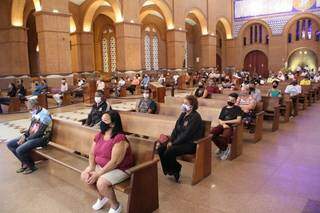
105 54
151 49
109 52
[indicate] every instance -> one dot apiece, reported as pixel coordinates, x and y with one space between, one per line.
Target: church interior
174 106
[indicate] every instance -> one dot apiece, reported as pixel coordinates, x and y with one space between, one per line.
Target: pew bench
271 108
70 147
161 124
13 106
214 103
210 116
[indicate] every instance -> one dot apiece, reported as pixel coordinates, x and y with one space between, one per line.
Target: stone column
208 51
128 38
54 42
175 48
14 51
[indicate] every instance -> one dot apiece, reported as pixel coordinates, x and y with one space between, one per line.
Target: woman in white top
63 88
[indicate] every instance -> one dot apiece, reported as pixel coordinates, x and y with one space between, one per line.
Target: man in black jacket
98 109
189 128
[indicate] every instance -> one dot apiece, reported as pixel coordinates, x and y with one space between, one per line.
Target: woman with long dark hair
109 158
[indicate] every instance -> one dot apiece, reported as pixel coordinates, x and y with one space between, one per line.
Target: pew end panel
258 127
143 181
203 160
236 144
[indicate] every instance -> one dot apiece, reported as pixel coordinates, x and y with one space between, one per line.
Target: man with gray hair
37 135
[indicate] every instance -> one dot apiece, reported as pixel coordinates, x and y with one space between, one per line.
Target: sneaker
225 154
99 204
22 169
29 170
118 210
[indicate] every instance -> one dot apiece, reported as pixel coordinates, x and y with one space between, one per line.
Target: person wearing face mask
211 89
98 109
255 92
146 104
188 128
63 88
199 92
37 135
247 103
109 159
274 91
221 134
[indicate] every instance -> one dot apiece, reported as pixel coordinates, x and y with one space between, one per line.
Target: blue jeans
23 151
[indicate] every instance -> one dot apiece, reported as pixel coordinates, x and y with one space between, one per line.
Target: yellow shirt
305 82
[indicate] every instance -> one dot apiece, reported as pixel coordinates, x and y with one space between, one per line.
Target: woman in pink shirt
109 159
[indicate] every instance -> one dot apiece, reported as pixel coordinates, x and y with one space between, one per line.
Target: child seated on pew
211 89
37 135
188 129
222 133
97 110
109 159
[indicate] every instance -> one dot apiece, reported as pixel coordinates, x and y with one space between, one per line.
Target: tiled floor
279 174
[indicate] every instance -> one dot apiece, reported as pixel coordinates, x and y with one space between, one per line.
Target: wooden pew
210 116
214 103
70 139
161 124
158 92
14 105
43 100
271 108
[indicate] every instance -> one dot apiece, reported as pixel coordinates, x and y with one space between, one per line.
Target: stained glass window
105 54
155 52
113 54
147 52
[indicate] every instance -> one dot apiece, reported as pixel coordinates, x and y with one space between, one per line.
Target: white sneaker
118 210
99 204
225 154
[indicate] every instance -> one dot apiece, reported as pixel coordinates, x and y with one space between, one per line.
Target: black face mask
104 127
230 103
274 86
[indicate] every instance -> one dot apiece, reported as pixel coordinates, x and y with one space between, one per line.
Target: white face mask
185 108
97 100
146 95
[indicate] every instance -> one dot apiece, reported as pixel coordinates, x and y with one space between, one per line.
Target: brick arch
201 19
255 21
17 11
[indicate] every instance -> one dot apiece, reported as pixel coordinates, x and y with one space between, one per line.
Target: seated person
255 92
78 91
21 91
119 86
293 89
188 129
274 91
221 134
226 83
305 81
199 92
37 88
212 88
38 135
12 90
109 159
100 85
175 79
247 103
63 88
98 109
134 84
146 104
162 80
145 81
